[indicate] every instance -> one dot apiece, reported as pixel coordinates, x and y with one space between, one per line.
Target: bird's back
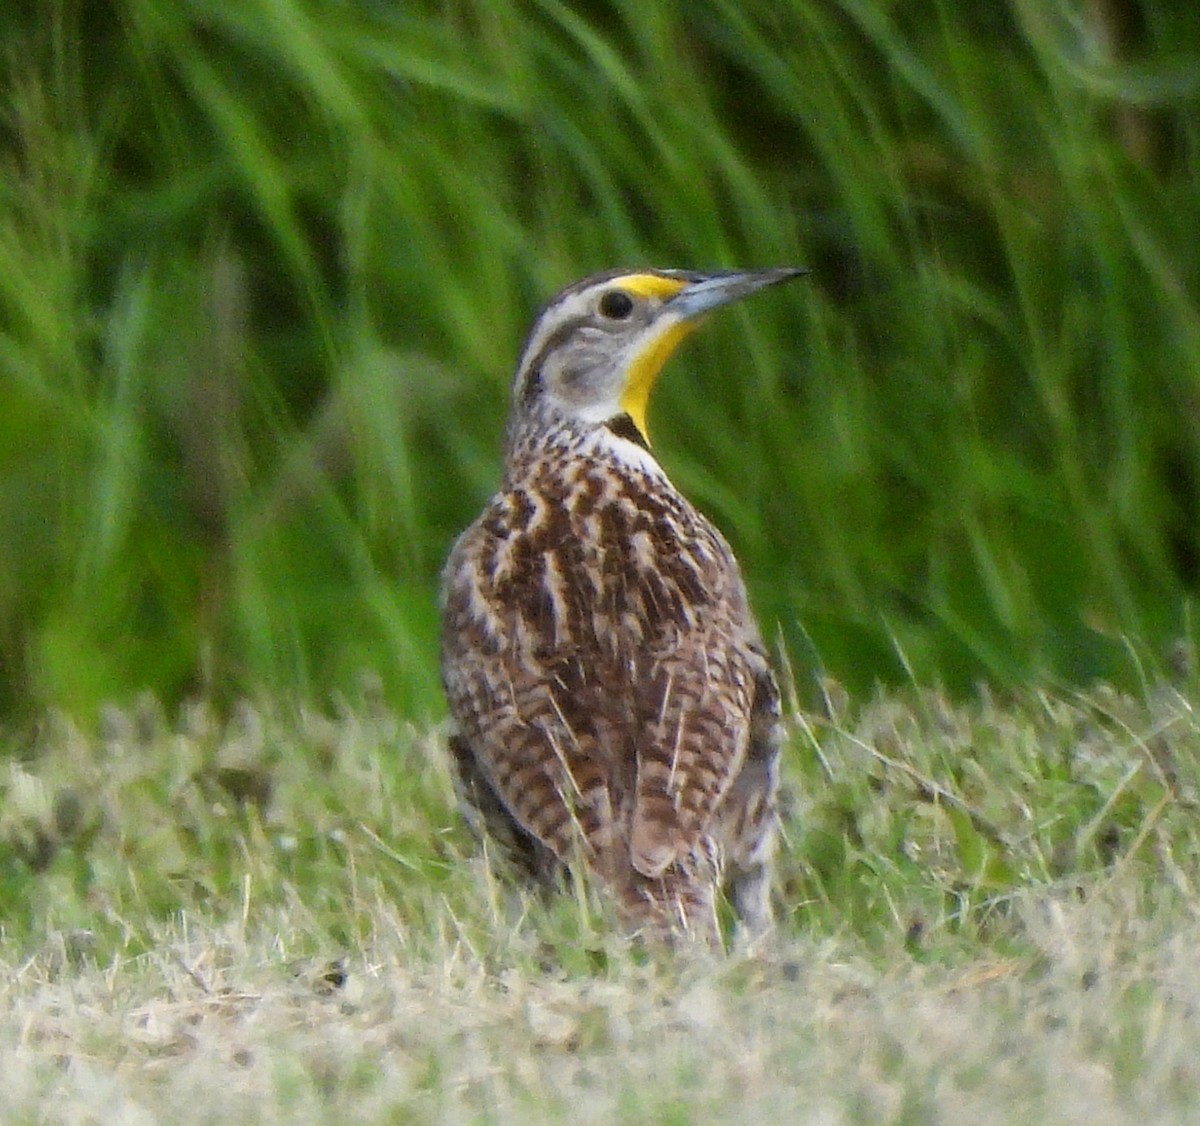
605 678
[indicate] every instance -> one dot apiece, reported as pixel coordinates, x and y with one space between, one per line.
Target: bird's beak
677 317
714 290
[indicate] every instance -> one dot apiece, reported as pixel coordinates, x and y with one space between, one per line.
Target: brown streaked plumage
611 702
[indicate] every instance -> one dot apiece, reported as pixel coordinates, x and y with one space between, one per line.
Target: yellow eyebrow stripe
649 285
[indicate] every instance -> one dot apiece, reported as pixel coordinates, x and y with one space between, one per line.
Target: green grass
985 912
265 267
264 271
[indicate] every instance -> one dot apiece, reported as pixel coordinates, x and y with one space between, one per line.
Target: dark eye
616 305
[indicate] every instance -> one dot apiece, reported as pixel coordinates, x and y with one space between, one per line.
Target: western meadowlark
611 701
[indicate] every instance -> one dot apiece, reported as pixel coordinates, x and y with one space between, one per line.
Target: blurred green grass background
265 268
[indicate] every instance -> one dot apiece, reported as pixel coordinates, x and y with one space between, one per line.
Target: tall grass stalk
264 269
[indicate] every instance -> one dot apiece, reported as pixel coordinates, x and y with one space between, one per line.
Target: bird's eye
616 305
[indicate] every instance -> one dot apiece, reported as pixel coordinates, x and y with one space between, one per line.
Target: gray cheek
584 380
578 383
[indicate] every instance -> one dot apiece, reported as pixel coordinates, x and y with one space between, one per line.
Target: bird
613 711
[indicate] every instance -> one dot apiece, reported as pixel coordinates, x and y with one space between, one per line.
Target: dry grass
217 1026
988 916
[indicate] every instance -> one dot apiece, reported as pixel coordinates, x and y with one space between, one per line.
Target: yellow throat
643 371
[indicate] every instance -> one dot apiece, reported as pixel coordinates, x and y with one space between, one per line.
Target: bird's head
596 349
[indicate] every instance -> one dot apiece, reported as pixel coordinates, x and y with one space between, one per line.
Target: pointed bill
720 289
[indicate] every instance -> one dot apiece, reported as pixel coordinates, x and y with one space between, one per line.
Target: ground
987 914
